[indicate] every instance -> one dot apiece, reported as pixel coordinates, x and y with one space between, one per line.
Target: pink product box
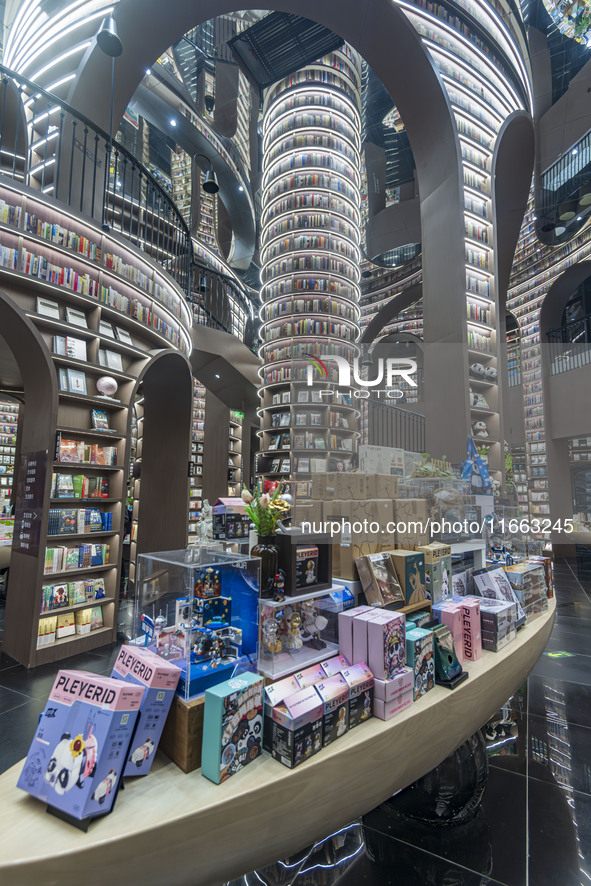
471 630
385 710
399 684
386 642
277 692
346 629
159 678
309 676
451 617
334 693
334 665
360 623
360 680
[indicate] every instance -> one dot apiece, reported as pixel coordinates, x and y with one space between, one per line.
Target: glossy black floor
534 825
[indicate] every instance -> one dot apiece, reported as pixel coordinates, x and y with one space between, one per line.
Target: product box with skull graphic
232 726
80 747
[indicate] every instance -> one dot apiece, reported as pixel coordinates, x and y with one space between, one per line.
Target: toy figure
313 625
105 787
142 752
278 587
293 638
341 722
310 573
270 636
72 761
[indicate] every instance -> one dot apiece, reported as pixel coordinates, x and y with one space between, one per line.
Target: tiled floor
534 825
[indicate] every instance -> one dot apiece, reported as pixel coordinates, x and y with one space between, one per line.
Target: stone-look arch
167 389
386 39
37 428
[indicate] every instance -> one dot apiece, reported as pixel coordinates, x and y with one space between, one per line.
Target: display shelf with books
9 413
235 465
197 449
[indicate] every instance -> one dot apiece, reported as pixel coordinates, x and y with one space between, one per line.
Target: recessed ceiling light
172 121
216 375
240 188
148 71
535 218
575 150
579 218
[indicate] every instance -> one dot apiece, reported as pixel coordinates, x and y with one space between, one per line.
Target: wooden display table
182 829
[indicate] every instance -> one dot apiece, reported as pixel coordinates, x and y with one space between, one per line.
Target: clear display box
300 631
198 607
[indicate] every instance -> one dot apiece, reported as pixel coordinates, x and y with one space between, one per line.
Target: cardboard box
410 569
497 615
379 579
159 679
360 681
418 619
471 629
345 556
309 676
232 726
493 641
293 728
369 520
385 710
434 551
386 645
400 684
493 584
419 657
230 520
450 614
80 746
380 486
182 738
459 582
411 516
438 570
360 622
334 693
345 621
334 665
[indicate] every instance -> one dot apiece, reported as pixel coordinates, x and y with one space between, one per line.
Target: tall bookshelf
197 445
8 431
93 306
235 454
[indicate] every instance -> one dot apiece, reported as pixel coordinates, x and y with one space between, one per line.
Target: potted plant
265 509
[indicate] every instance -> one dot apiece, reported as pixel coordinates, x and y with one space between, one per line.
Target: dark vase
266 549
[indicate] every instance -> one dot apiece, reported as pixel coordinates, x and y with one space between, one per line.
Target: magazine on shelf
48 308
105 328
76 382
76 318
123 335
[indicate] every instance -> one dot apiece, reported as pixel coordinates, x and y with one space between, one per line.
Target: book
105 328
274 441
59 345
48 308
123 335
319 443
284 421
285 466
76 348
303 396
100 420
63 378
96 618
110 359
76 381
76 318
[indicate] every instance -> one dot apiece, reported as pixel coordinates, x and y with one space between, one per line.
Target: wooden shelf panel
100 501
93 401
82 466
87 605
86 570
75 644
77 536
103 436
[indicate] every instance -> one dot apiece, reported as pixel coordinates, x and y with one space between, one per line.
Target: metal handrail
68 159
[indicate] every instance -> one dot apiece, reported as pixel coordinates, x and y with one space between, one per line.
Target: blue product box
159 679
79 750
232 726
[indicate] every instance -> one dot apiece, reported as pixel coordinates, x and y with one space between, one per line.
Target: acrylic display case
300 631
198 607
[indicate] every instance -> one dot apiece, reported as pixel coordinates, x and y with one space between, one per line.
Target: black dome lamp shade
108 38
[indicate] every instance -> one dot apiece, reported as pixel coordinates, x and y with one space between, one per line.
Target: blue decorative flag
475 470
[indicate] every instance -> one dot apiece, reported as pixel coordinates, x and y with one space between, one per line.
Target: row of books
71 593
64 521
80 557
63 237
38 266
10 215
79 486
139 311
79 452
66 624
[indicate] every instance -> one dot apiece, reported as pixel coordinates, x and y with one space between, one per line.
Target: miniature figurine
310 573
341 723
105 787
270 636
293 637
278 587
142 752
313 625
